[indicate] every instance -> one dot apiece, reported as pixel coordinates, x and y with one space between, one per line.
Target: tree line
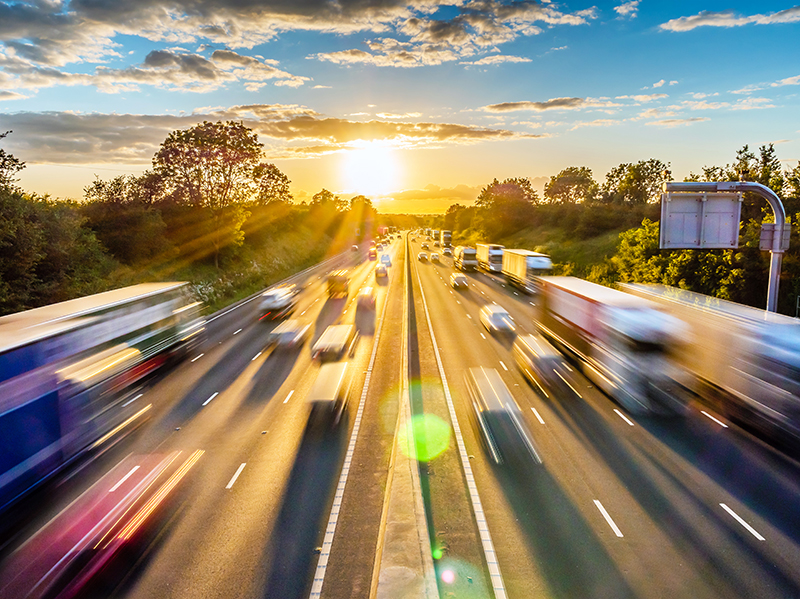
210 210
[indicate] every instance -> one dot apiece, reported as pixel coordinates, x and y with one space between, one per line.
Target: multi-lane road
620 506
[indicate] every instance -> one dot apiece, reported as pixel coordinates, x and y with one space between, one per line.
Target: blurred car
434 257
499 421
354 248
436 244
425 246
458 279
540 362
288 334
372 243
336 342
95 541
381 272
386 259
329 395
422 257
338 283
365 300
496 319
447 251
373 254
379 247
278 303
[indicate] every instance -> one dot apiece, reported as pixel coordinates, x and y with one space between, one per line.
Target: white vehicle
329 395
625 342
278 303
445 238
458 279
289 334
434 257
336 342
522 267
465 258
745 358
496 319
490 256
422 257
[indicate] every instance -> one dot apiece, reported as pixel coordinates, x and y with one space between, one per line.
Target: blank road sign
700 220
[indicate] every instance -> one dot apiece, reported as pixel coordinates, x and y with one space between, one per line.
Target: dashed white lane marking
468 316
482 335
303 312
205 403
722 424
621 415
477 507
236 332
536 413
235 476
531 303
504 365
130 401
741 521
197 358
123 479
611 523
574 390
288 396
256 356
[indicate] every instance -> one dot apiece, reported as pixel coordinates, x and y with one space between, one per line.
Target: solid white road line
235 476
123 479
722 424
611 523
536 413
288 396
130 401
327 542
574 390
210 398
621 415
477 507
738 518
197 358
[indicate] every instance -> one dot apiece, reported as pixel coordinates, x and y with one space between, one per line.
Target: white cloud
788 81
659 83
643 98
552 104
595 123
627 9
678 122
729 18
7 95
497 59
752 104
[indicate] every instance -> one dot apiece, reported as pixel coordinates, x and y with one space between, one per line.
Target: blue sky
417 105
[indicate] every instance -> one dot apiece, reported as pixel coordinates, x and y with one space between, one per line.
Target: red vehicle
89 543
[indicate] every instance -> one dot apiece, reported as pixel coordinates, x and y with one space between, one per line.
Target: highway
619 506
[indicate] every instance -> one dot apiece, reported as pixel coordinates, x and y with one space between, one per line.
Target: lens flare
425 437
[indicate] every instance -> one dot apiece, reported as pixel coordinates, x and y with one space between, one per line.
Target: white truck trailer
490 256
522 267
745 360
446 238
623 342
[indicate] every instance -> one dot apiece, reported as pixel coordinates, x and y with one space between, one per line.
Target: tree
793 182
573 185
273 185
638 183
506 206
10 165
212 165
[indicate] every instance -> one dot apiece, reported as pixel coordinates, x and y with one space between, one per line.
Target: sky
417 105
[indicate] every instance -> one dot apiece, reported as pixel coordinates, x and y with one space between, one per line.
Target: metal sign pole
774 238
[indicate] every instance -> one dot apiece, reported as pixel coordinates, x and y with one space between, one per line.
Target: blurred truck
490 256
465 258
522 267
446 237
624 342
745 360
338 283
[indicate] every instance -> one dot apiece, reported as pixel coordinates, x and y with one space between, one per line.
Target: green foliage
505 207
638 183
10 165
573 185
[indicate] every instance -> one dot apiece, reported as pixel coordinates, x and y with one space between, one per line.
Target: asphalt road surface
619 506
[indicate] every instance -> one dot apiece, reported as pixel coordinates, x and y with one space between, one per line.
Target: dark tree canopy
10 165
573 185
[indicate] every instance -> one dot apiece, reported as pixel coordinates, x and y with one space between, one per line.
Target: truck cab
339 283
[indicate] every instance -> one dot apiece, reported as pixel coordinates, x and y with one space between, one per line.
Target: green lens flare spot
425 437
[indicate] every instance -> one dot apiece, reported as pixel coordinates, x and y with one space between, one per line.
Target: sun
371 169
